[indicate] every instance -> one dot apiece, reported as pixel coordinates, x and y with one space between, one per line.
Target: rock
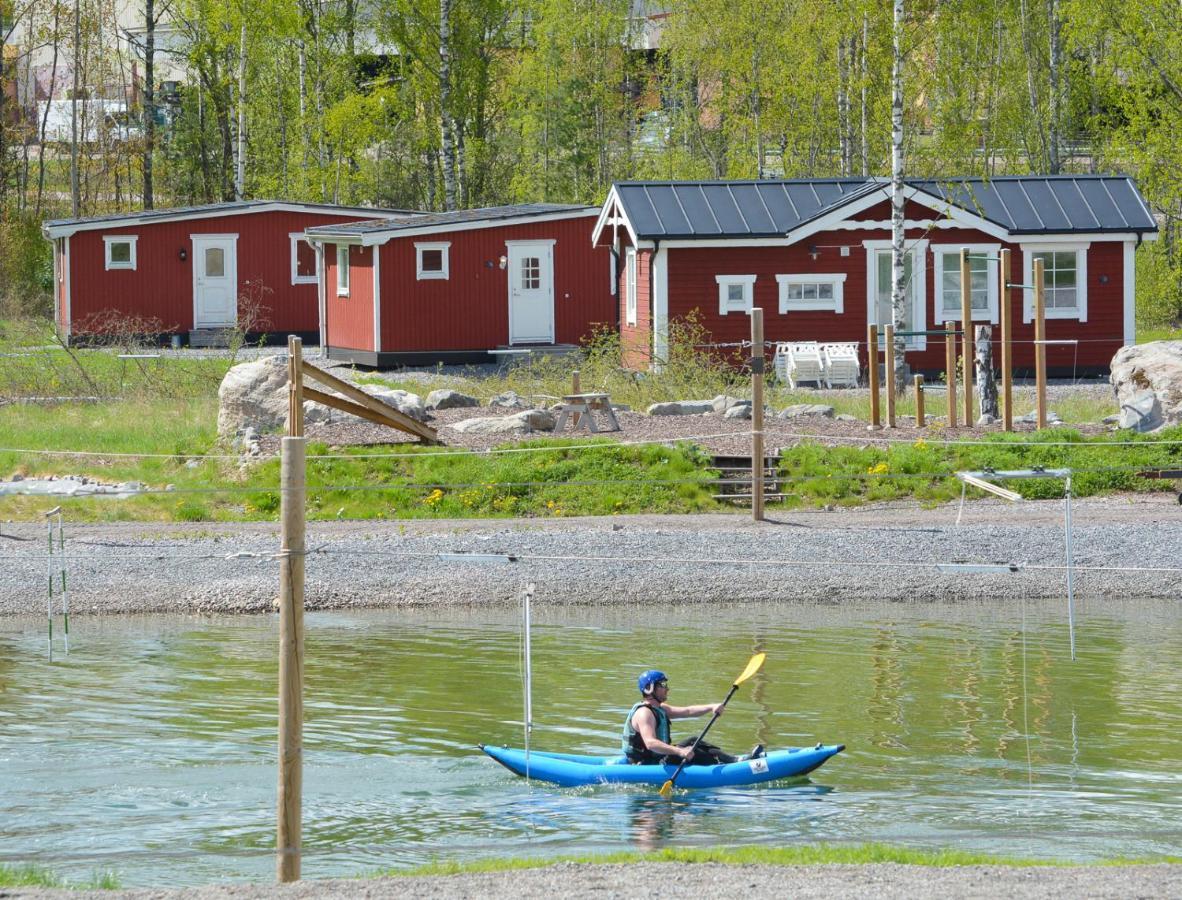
801 410
738 411
522 423
1111 420
507 400
723 402
18 477
681 408
845 417
1142 412
253 395
1031 418
449 399
1154 367
986 419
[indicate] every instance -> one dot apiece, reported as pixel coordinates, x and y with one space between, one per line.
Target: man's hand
716 709
685 752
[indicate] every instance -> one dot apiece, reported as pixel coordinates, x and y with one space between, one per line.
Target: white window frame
919 276
724 282
991 312
343 270
630 286
296 277
109 240
837 280
1081 281
442 274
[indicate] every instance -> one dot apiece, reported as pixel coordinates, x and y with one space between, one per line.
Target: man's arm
690 712
644 721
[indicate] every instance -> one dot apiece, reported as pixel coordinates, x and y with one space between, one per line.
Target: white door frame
197 241
919 278
546 251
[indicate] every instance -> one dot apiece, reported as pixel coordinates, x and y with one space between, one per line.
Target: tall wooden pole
1007 362
291 625
890 375
872 374
757 364
950 370
919 416
966 326
1040 347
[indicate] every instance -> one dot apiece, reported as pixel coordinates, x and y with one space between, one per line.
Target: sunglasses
663 684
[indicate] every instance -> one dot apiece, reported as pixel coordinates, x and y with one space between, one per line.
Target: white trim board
377 299
1130 292
381 237
659 305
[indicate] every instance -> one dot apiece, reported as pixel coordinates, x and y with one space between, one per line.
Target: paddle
752 667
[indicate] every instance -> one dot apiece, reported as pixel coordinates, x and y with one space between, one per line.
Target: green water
150 750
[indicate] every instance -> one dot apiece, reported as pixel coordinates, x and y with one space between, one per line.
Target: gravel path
872 553
887 881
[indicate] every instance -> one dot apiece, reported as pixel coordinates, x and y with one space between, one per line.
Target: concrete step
210 337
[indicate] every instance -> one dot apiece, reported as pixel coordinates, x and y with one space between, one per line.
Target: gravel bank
872 553
874 882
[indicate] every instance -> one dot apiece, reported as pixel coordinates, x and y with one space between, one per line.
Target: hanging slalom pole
1070 580
526 600
55 528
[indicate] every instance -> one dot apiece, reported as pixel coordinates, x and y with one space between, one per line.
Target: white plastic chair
804 363
841 365
780 361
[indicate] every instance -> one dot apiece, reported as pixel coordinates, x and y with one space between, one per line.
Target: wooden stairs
735 481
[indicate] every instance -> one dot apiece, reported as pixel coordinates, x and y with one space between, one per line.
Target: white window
804 292
303 260
342 270
630 285
431 260
735 293
983 267
120 251
1064 278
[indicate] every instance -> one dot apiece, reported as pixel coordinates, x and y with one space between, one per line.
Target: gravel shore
884 553
885 881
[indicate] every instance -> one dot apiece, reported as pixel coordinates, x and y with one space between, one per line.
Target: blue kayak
569 770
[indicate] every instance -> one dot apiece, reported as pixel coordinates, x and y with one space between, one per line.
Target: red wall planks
161 285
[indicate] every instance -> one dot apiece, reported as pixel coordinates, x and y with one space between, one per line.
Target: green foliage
39 876
26 267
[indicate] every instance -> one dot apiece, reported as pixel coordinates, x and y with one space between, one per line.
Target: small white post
49 570
1070 582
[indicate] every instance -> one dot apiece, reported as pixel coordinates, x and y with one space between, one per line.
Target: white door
215 280
883 313
531 292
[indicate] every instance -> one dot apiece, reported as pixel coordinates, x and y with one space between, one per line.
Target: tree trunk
149 99
75 198
240 156
1054 157
986 383
898 248
843 110
447 146
45 115
865 81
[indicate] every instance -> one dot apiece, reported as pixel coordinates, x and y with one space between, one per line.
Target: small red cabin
816 256
453 286
188 270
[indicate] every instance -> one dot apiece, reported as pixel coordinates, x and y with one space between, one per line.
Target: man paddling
646 739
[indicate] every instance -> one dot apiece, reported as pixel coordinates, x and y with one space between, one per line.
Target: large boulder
449 399
681 408
723 402
1155 367
508 400
526 422
253 395
805 410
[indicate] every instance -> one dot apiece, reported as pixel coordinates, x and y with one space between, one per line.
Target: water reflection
160 732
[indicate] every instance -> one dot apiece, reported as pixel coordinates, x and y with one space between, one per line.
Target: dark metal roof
700 210
439 221
229 207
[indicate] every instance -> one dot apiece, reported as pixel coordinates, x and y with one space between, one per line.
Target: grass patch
812 855
38 876
1159 333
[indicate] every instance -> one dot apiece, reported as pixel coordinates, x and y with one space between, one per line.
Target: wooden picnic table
580 409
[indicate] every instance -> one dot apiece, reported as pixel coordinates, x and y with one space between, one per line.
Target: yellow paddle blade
752 667
666 789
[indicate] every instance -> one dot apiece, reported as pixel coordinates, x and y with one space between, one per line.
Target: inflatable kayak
569 770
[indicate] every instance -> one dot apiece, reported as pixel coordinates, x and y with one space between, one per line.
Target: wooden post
950 370
1040 348
966 327
889 340
291 626
872 374
757 364
919 420
1007 363
575 388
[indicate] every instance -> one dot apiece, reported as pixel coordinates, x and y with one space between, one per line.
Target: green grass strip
812 855
30 875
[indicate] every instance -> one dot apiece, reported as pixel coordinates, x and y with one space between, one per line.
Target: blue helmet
647 679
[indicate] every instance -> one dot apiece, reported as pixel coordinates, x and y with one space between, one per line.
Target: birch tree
898 244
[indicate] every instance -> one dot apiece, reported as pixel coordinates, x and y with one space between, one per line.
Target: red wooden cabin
453 286
815 255
189 270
